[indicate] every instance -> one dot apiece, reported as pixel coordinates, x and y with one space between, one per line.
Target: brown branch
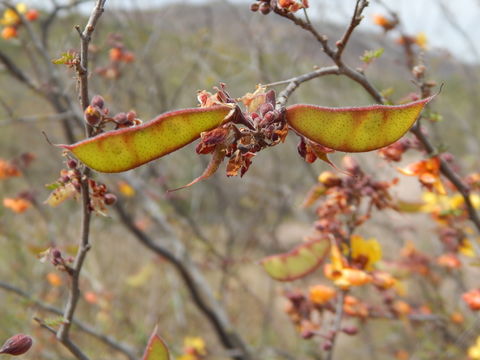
229 339
74 293
337 323
127 350
362 80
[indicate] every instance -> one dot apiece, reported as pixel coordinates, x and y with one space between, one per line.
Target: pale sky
417 16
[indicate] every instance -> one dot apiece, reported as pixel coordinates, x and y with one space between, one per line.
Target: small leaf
370 55
67 58
125 149
156 348
354 129
297 263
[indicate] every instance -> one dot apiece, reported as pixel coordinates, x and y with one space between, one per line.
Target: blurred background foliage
226 224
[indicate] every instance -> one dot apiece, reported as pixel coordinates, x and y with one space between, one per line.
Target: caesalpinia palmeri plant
235 130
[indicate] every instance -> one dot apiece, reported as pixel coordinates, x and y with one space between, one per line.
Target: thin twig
337 323
127 350
74 293
227 336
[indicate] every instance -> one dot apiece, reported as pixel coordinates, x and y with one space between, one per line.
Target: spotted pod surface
297 263
354 129
125 149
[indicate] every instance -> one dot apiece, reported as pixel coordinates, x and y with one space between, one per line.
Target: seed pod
354 129
17 345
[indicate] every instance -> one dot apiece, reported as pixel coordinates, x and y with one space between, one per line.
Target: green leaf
156 348
370 55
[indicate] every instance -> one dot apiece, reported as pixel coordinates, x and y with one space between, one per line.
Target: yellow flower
195 343
369 249
466 248
474 350
421 40
321 294
10 16
126 189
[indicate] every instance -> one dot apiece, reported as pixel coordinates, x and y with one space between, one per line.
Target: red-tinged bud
265 108
350 165
110 199
131 116
64 179
56 253
307 334
72 164
92 115
121 118
264 8
254 7
17 345
302 148
350 330
270 97
327 346
98 101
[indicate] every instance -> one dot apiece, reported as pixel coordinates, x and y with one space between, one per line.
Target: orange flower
115 54
320 294
383 280
472 298
401 307
54 279
450 261
8 170
32 15
91 297
354 307
457 318
385 23
18 204
428 173
342 275
9 32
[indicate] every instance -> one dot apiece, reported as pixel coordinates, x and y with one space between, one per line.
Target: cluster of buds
117 55
261 126
307 312
343 195
97 116
68 185
12 19
265 6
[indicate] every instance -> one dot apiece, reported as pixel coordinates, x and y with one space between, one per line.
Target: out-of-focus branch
17 73
127 350
227 336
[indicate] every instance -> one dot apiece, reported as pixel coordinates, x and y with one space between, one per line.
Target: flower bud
254 7
264 8
92 115
121 118
72 164
350 330
97 101
17 345
110 199
265 108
